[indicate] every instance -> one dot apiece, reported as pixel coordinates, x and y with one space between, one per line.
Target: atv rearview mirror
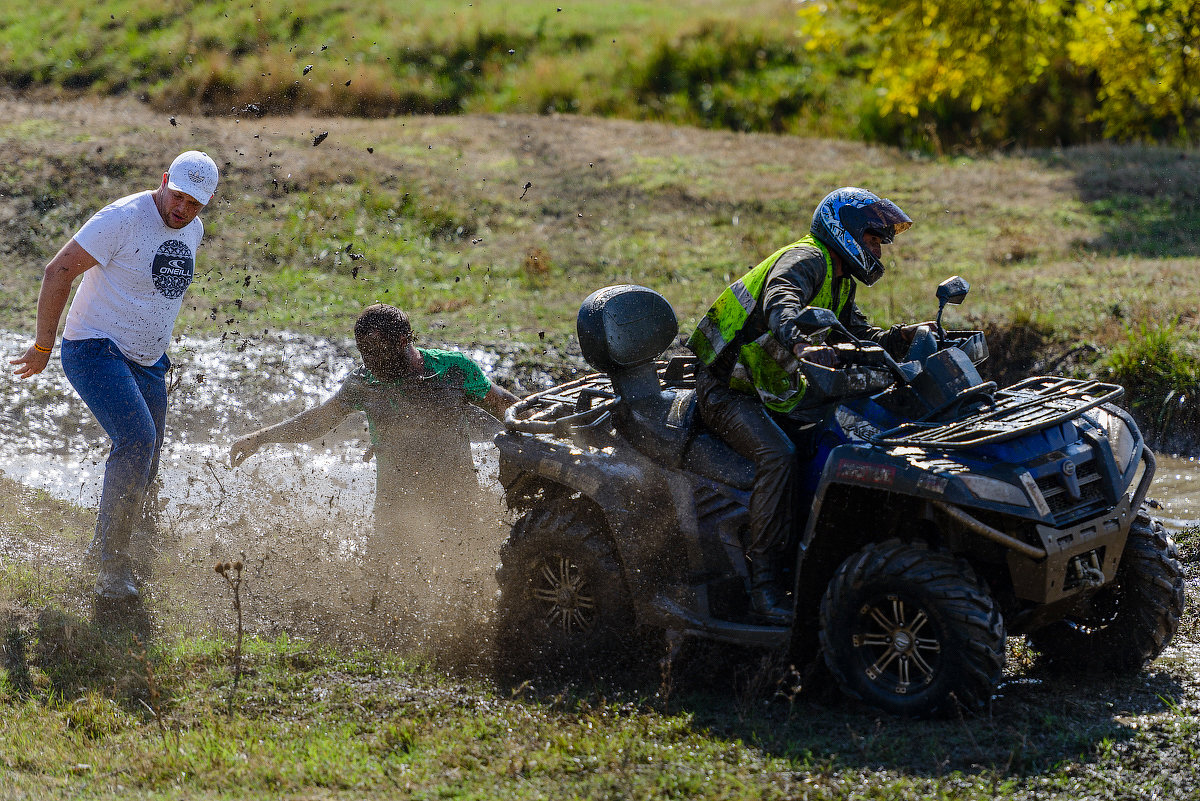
953 290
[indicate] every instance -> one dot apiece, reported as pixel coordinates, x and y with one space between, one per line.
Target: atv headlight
1120 439
991 489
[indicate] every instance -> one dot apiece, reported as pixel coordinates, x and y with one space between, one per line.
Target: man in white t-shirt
143 248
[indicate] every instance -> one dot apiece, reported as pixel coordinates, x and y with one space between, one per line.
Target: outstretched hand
32 363
243 448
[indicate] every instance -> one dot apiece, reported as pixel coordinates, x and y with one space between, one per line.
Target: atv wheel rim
565 596
896 645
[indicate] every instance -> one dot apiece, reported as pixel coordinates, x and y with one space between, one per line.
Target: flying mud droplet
319 138
528 184
308 69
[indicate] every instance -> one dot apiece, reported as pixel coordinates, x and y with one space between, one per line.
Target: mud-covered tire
1128 622
563 606
912 630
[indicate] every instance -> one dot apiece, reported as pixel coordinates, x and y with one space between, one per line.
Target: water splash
220 390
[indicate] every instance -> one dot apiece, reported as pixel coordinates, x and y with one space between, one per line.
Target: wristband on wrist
40 349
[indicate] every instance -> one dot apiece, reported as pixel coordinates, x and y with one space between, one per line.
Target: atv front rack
1027 406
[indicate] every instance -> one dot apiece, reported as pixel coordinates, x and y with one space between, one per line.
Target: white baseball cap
194 174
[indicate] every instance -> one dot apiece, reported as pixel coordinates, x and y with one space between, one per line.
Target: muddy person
137 257
418 404
744 393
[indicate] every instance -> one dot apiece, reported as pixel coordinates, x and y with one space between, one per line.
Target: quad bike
937 515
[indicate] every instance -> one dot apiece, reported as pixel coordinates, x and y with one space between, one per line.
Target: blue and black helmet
845 215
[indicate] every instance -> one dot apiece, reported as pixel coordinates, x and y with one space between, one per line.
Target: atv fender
628 491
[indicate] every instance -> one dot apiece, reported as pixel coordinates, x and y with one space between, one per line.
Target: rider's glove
817 354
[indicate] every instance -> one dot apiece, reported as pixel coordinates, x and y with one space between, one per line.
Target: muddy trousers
130 402
745 425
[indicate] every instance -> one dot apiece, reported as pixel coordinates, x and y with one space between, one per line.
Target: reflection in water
1177 488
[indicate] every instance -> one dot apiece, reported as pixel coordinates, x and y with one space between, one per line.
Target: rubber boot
115 581
764 593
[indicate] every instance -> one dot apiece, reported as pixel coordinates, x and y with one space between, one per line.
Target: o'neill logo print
172 268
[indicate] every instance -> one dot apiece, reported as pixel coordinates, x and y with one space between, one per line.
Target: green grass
433 214
1162 377
752 66
699 61
88 711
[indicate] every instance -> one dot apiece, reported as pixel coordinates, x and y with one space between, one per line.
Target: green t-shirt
420 427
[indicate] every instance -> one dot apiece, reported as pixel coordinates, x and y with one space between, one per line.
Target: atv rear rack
558 410
1027 406
584 402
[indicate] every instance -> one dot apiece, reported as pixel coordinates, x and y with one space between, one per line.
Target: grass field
490 228
434 213
700 61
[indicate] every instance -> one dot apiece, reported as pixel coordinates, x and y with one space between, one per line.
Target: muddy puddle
1176 487
301 514
50 441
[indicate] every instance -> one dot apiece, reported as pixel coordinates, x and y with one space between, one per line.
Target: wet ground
1177 488
50 441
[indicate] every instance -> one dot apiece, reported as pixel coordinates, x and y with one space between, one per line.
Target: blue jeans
130 402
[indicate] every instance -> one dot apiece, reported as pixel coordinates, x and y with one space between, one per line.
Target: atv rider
748 343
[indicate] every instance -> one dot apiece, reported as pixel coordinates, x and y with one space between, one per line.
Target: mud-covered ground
300 514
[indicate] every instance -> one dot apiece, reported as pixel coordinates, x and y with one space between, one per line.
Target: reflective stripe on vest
764 366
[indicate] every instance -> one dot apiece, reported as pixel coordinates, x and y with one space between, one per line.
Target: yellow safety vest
764 366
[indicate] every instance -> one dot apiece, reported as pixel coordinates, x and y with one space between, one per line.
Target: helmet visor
885 220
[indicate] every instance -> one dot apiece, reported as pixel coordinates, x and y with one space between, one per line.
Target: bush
1163 381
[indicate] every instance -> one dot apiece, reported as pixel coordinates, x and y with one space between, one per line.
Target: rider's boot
764 593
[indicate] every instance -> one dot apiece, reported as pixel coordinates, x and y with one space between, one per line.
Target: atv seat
622 331
706 454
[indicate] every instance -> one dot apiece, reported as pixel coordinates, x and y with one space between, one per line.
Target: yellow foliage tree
1011 69
1146 54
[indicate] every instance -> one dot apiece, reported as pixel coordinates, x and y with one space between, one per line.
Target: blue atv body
936 515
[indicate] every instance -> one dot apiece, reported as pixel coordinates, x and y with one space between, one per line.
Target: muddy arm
304 427
496 401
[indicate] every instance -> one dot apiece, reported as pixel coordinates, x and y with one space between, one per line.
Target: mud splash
301 514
